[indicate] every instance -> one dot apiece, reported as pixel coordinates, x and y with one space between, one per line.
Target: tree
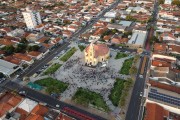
130 18
23 40
154 39
176 2
33 48
21 47
1 75
133 70
161 1
9 49
112 21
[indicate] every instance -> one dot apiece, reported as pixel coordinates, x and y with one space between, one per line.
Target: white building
137 40
32 18
8 68
168 2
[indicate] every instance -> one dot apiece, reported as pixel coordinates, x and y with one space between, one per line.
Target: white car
57 106
141 94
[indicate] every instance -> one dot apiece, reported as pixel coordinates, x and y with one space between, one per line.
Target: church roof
99 49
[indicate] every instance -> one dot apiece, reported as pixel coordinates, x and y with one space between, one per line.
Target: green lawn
120 55
52 69
117 91
126 66
52 85
68 54
86 97
81 47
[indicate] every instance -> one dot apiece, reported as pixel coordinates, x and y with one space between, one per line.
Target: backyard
52 69
68 54
52 85
120 55
117 91
86 97
126 66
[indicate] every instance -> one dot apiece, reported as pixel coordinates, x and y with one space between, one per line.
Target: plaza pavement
99 80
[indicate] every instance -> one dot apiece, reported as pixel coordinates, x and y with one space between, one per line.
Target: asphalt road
135 102
135 110
50 101
39 63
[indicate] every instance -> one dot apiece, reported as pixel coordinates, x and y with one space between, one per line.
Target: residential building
32 18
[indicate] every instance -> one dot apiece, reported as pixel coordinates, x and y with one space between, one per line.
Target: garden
120 91
52 85
126 66
68 54
120 55
117 91
52 69
86 97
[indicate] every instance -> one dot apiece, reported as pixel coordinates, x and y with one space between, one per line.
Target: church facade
95 53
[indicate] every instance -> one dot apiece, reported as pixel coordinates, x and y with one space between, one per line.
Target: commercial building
137 40
8 68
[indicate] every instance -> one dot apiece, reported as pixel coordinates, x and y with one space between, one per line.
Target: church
95 53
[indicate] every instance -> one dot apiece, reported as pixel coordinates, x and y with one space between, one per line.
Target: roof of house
159 63
27 105
22 57
13 60
7 68
160 47
22 112
155 112
174 48
14 101
4 107
7 102
34 117
169 87
39 110
34 53
6 42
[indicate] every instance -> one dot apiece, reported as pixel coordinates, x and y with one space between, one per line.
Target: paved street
135 102
39 97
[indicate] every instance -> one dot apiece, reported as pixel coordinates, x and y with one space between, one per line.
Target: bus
143 65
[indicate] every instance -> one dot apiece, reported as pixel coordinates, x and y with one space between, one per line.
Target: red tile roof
39 110
6 42
14 101
34 117
22 112
159 63
160 47
12 59
165 86
155 112
4 107
34 53
22 57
